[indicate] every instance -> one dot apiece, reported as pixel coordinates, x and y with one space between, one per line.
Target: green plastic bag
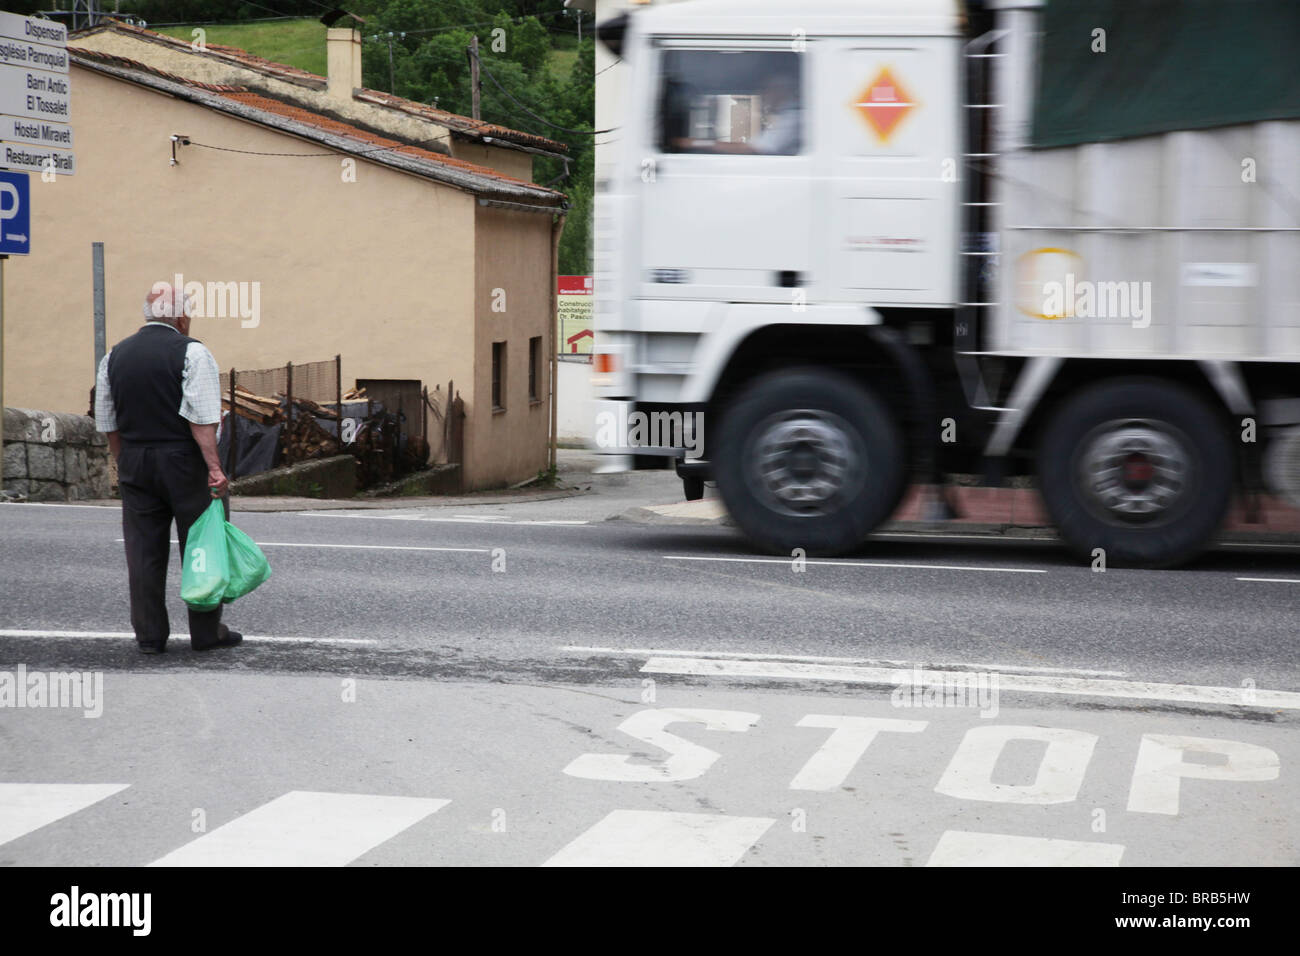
248 565
205 571
221 562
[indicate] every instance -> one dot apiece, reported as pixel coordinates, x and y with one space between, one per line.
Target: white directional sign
35 96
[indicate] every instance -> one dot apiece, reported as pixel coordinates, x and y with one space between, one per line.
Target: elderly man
158 398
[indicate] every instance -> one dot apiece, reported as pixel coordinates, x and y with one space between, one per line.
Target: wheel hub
806 461
1135 470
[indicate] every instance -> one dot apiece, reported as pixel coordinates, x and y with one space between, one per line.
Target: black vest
144 378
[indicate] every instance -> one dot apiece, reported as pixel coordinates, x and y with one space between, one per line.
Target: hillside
301 43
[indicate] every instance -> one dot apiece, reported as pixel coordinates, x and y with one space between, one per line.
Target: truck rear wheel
810 459
1139 468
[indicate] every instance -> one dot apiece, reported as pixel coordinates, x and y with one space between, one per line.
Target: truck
849 246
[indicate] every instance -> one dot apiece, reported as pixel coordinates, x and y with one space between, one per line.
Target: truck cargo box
1150 159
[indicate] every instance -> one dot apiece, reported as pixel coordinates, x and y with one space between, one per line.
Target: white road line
54 504
521 521
963 848
370 547
750 656
305 829
1248 544
1273 580
656 838
485 520
973 537
25 807
854 564
361 547
267 638
1023 683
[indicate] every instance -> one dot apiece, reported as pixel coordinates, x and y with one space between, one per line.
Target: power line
540 119
576 147
335 153
466 26
220 23
278 13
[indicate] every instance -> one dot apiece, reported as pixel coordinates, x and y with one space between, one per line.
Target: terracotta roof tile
366 141
454 121
379 143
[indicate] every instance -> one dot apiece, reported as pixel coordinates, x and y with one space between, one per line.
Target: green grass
561 63
299 43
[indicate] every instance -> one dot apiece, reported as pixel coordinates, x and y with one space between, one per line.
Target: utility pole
2 370
97 286
473 73
391 84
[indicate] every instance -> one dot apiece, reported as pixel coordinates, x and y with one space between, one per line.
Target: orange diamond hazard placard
884 104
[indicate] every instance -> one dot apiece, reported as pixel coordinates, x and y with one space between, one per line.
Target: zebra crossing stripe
963 848
25 807
657 838
303 828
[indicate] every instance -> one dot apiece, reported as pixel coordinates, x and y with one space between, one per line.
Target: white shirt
200 388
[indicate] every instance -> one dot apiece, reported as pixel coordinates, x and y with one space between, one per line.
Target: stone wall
52 456
334 477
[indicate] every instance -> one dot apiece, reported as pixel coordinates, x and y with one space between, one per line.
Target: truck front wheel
1139 468
808 458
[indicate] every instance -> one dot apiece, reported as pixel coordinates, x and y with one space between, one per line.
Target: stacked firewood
256 408
303 437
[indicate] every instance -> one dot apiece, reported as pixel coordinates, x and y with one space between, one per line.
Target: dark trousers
160 483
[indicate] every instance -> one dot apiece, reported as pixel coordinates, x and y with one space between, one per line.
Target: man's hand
218 484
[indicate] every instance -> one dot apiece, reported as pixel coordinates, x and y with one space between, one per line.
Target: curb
649 515
680 515
270 503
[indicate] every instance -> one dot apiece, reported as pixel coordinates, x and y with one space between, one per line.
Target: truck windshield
730 101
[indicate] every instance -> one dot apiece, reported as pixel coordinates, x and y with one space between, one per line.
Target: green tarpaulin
1167 65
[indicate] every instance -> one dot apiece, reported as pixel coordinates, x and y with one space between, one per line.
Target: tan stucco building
410 241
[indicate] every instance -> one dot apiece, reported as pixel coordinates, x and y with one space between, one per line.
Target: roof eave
457 178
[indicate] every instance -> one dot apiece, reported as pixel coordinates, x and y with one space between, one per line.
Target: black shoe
228 638
152 648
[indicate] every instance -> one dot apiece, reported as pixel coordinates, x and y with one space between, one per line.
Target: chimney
343 55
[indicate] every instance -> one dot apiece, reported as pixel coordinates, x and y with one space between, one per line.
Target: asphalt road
523 662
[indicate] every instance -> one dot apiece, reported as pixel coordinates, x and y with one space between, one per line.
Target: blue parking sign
15 214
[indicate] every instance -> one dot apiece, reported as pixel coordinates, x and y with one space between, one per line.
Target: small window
738 102
534 368
498 376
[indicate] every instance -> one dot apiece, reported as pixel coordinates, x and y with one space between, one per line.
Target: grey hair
162 302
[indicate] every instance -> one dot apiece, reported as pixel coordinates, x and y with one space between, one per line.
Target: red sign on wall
574 295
